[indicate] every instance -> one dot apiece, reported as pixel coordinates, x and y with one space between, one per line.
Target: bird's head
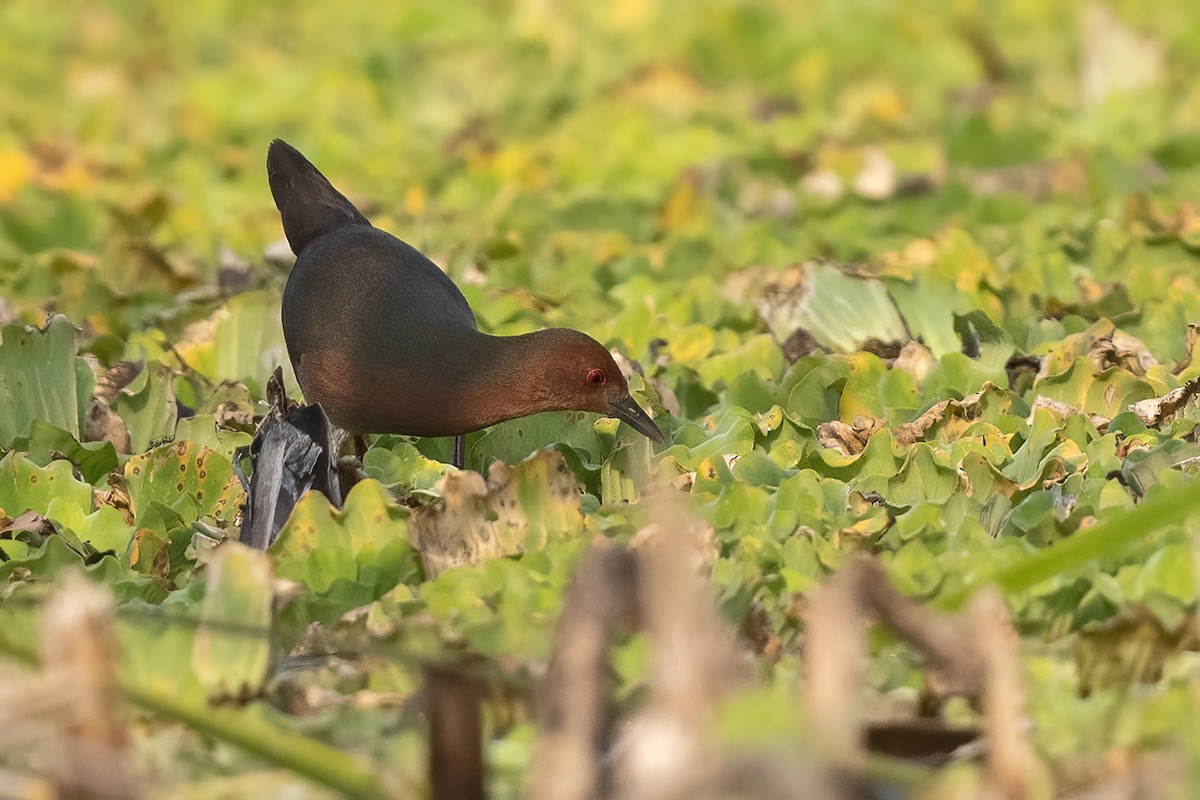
583 376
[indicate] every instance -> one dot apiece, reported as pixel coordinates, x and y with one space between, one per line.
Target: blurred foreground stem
302 755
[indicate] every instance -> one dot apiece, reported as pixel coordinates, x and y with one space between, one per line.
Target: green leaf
400 466
187 478
229 657
46 443
148 406
24 486
41 379
841 311
367 541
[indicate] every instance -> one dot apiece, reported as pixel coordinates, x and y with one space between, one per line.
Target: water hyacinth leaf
148 406
320 547
929 309
956 375
42 379
203 429
841 311
512 441
24 486
50 220
232 648
625 473
692 346
186 477
536 500
730 433
242 341
106 530
520 508
759 470
758 355
45 443
1105 393
751 392
921 478
1146 468
60 554
860 395
399 465
814 392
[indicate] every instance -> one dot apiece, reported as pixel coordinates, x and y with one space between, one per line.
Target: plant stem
1110 538
305 756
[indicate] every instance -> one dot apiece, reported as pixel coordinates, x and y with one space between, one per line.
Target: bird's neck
510 378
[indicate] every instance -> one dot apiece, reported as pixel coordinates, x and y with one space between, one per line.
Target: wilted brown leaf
849 440
1158 411
474 520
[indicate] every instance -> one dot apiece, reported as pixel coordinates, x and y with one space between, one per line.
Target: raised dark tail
307 202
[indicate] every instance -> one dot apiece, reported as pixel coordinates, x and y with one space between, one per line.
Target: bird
385 342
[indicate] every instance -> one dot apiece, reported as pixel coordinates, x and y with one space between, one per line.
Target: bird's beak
629 411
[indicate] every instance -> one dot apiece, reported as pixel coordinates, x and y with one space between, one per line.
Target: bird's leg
460 451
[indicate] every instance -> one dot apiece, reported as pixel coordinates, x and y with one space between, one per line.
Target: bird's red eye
597 377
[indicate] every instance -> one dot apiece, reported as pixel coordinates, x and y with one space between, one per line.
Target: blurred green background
567 148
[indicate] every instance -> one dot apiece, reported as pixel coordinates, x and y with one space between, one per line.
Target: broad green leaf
400 466
366 542
232 649
24 486
186 477
41 379
148 406
841 311
47 443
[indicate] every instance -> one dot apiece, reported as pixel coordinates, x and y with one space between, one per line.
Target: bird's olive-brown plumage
386 343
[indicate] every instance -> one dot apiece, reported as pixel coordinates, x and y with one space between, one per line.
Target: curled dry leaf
28 522
111 381
105 425
102 423
1193 330
117 496
849 440
1106 347
231 416
1062 410
1123 351
1157 411
961 411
